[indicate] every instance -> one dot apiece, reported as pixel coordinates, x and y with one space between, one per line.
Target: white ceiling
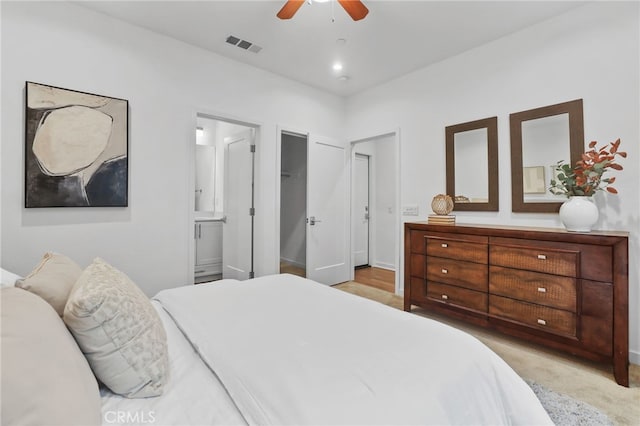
397 37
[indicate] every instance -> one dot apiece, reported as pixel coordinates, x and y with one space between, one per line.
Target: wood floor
379 278
287 268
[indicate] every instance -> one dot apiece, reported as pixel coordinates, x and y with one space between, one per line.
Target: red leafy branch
587 176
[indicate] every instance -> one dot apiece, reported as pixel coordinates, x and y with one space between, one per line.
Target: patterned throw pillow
119 331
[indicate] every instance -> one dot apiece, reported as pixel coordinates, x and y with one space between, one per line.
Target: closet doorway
293 204
224 199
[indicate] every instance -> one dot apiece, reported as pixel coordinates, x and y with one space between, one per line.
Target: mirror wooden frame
491 124
576 148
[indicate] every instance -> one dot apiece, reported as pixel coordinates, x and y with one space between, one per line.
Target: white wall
384 172
166 82
591 52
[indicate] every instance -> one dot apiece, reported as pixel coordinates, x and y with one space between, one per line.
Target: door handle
313 220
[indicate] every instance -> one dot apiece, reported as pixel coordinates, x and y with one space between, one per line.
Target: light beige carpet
589 382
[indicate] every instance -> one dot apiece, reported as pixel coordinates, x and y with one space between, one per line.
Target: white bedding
8 279
193 396
291 351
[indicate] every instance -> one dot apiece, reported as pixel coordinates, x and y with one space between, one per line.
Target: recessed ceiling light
343 78
341 41
337 66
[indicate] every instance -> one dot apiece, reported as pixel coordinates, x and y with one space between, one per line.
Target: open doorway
224 199
293 204
374 221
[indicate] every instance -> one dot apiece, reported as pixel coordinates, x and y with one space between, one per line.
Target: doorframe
191 178
395 133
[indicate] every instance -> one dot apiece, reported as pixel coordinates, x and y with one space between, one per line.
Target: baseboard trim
634 357
293 262
387 266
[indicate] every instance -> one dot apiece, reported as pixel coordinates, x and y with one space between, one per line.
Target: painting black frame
100 177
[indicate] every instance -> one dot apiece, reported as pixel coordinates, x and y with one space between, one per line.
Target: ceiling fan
354 8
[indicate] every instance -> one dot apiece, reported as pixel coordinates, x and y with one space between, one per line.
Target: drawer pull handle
542 322
542 256
444 245
445 297
444 271
542 290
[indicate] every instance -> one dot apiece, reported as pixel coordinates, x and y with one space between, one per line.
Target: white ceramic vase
579 214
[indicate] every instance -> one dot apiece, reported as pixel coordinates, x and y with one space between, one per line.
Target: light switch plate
410 210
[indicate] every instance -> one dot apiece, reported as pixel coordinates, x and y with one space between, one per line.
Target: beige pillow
45 378
119 331
52 280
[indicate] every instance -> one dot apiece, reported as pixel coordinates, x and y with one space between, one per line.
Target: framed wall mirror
539 139
472 165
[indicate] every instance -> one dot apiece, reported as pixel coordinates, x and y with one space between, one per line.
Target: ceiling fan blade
289 9
354 8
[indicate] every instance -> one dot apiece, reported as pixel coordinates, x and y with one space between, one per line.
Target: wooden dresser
564 290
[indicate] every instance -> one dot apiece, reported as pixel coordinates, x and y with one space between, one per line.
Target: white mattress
193 396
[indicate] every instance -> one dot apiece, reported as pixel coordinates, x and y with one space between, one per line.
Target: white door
361 210
328 211
236 238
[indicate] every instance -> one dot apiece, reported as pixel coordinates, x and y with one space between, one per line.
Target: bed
282 349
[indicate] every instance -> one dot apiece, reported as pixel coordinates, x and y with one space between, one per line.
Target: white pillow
119 331
8 279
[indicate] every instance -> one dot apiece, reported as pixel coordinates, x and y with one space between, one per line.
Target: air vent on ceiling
243 44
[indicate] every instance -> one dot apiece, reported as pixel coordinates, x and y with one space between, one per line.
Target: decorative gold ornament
442 204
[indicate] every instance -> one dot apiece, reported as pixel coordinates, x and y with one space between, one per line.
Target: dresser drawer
543 259
532 315
544 289
463 274
455 249
457 296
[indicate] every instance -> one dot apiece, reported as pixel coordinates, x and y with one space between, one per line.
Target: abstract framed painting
76 148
